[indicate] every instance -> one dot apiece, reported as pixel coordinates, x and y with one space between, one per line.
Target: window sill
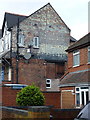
88 63
77 107
6 80
21 46
36 47
76 66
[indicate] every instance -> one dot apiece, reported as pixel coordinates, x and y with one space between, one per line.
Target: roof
72 39
52 57
48 57
78 77
12 19
84 41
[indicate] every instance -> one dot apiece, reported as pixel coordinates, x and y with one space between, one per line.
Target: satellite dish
27 56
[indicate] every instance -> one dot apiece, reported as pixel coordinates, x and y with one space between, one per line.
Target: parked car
84 114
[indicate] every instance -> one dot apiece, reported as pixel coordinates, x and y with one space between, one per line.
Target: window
82 96
6 42
6 73
36 42
89 54
9 74
78 99
48 83
21 40
76 58
2 73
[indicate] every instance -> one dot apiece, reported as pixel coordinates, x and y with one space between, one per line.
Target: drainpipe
11 66
17 53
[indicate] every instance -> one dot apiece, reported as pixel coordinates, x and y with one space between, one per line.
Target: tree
30 96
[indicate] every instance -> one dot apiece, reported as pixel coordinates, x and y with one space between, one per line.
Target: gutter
74 85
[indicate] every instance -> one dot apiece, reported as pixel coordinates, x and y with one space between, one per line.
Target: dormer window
89 54
36 42
76 58
21 40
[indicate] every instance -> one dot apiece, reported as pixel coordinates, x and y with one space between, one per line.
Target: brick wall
33 71
9 97
50 70
52 98
83 60
37 71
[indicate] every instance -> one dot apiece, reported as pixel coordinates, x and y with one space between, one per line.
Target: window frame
81 89
2 73
9 73
36 41
21 40
48 83
76 52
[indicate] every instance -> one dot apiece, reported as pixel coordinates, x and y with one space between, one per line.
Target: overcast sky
73 12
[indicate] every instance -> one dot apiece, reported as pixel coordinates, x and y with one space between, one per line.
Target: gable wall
53 33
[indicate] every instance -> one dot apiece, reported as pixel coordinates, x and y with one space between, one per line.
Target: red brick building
75 84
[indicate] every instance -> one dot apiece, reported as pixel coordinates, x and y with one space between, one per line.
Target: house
42 39
75 83
33 51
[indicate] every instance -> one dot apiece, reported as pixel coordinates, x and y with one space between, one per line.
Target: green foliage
30 96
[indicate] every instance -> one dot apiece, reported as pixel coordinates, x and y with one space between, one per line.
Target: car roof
85 112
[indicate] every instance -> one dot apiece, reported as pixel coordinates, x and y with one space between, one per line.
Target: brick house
42 39
33 50
75 84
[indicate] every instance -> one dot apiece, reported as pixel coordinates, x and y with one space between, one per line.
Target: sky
73 12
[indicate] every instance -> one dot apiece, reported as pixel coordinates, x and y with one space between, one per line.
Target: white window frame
80 90
79 97
5 29
74 54
21 40
9 74
6 42
88 54
48 83
36 42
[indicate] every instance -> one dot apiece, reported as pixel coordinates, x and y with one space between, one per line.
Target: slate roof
84 41
12 19
72 39
73 78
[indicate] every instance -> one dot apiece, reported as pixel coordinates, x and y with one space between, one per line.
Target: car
84 114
